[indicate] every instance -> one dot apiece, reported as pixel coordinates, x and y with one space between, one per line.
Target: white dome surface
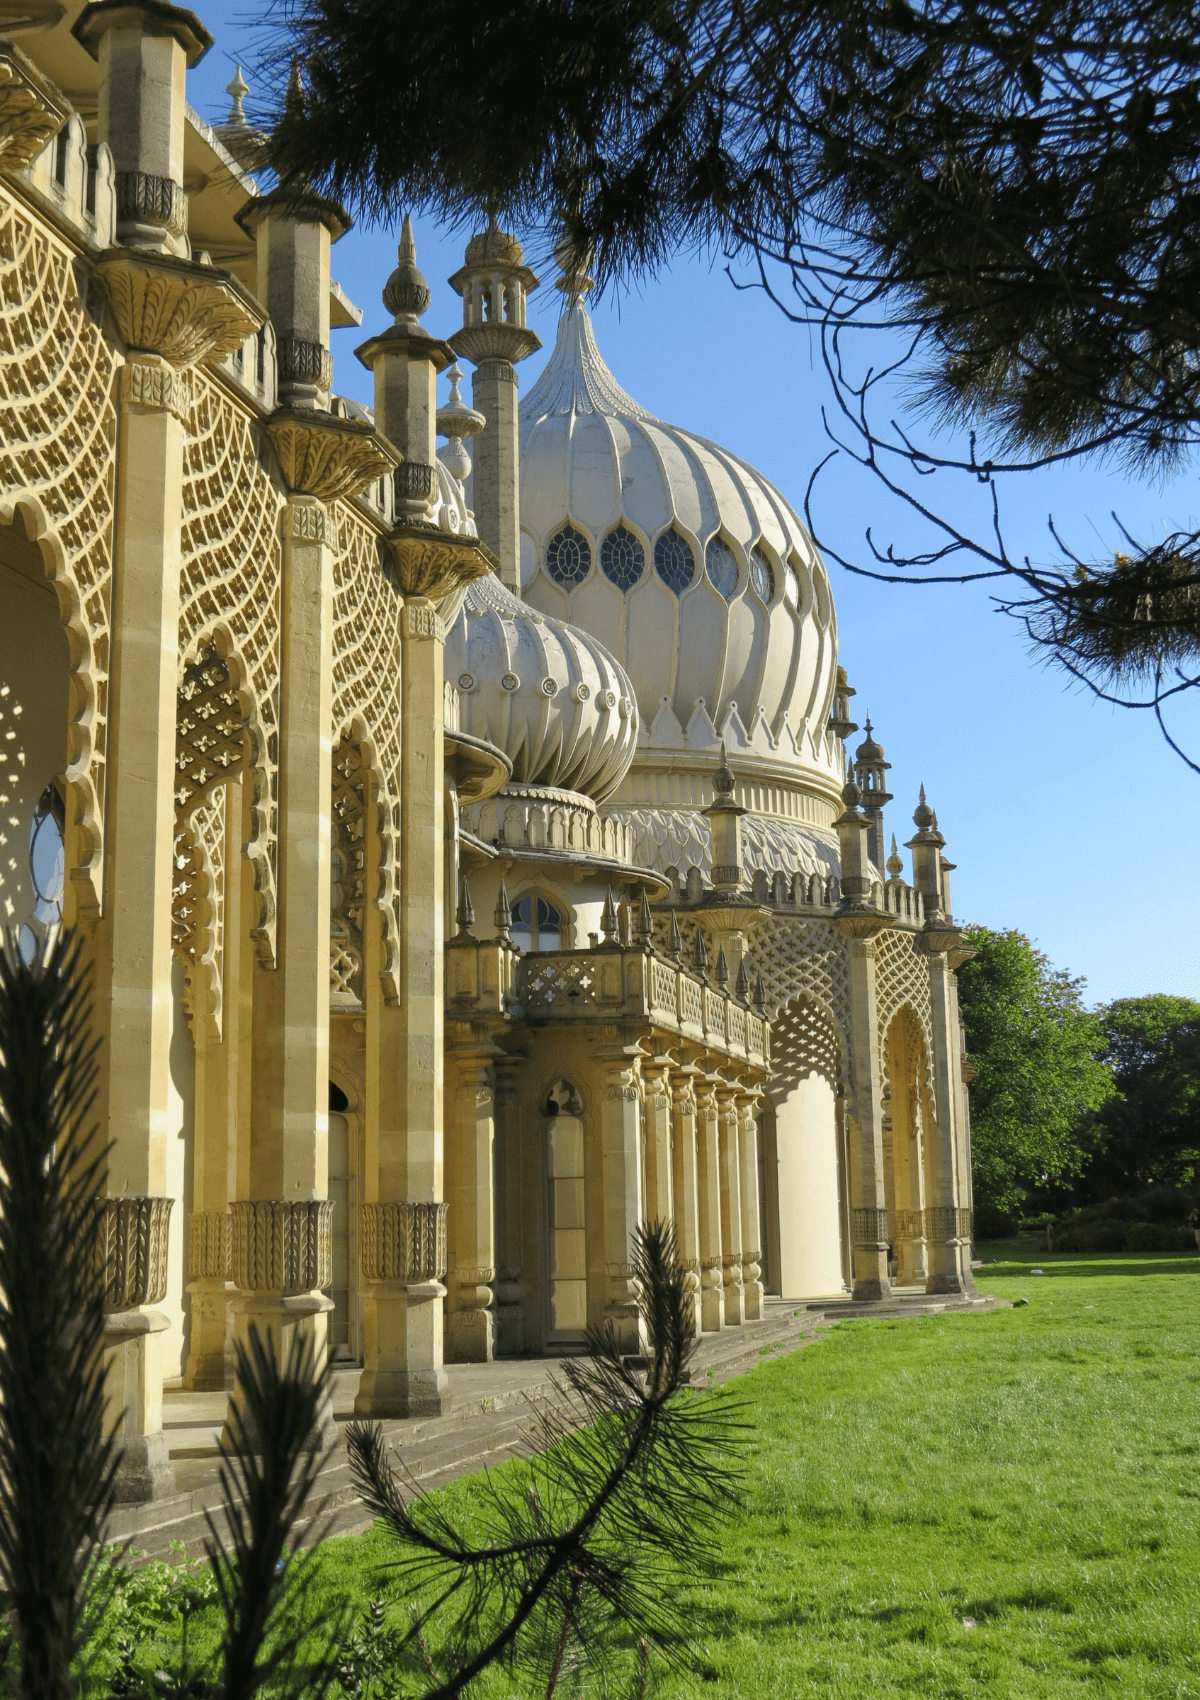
550 697
741 644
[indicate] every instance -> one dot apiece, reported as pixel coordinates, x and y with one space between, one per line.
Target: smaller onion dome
550 696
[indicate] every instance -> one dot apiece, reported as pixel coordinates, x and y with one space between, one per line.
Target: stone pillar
293 283
731 1206
752 1287
620 1181
470 1182
712 1294
685 1180
659 1203
169 313
511 1287
144 53
948 1215
133 1256
859 922
493 283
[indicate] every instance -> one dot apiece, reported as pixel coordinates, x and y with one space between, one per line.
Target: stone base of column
133 1387
470 1337
510 1316
753 1292
950 1269
277 1317
712 1299
402 1329
209 1367
871 1278
735 1297
912 1266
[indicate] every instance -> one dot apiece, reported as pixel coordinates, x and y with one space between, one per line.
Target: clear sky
1062 814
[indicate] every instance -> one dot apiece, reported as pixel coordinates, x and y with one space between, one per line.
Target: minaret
493 283
840 723
927 845
725 813
869 770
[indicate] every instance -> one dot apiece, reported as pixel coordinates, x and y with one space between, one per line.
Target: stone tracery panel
347 884
198 907
229 578
901 977
367 662
803 1042
57 442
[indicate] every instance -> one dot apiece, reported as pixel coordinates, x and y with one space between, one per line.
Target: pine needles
624 1500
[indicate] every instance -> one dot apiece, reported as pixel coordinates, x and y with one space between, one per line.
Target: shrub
1157 1236
995 1224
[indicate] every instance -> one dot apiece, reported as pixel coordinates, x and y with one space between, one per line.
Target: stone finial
700 954
760 996
609 920
743 981
644 930
923 815
455 421
406 294
723 780
721 972
237 89
675 941
502 918
573 264
895 862
840 723
465 915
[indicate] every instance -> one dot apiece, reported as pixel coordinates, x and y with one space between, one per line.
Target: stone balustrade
545 819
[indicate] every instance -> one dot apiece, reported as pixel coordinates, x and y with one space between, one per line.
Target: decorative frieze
132 1251
280 1245
209 1245
909 1225
948 1222
870 1227
306 522
403 1242
31 109
301 362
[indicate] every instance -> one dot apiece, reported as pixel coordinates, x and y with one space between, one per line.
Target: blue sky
1057 809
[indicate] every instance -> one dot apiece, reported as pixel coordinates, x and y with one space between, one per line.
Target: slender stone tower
494 282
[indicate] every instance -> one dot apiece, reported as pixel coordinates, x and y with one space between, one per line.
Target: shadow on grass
1086 1263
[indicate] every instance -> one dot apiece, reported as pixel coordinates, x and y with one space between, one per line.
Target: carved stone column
708 1178
281 1259
511 1287
752 1287
170 314
620 1182
686 1179
132 1253
731 1206
404 1259
470 1193
948 1215
659 1203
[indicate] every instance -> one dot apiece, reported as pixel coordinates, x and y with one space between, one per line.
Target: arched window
761 575
47 870
622 558
674 562
568 557
721 563
536 924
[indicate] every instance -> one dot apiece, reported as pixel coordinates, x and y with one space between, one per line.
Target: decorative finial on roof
575 281
723 780
609 924
466 909
455 421
237 90
760 996
895 862
502 919
294 98
675 943
923 815
722 969
644 930
406 294
700 954
743 981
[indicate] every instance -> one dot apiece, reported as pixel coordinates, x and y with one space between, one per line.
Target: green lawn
998 1505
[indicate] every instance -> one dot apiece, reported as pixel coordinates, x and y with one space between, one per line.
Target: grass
1003 1505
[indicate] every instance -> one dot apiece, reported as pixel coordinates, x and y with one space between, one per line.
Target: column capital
31 108
326 457
131 1251
403 1241
179 309
282 1246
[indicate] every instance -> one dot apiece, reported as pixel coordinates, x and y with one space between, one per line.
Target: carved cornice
496 341
403 1242
186 313
132 1251
939 935
31 109
323 456
433 563
282 1246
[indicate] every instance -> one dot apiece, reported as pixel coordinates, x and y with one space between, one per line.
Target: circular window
674 562
568 557
622 558
761 575
722 567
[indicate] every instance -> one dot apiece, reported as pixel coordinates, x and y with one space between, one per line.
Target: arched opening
34 707
566 1215
805 1241
903 1150
343 1334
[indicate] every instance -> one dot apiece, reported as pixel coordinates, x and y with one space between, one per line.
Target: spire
895 862
743 981
455 421
466 909
502 919
760 996
722 968
406 294
609 925
700 954
237 90
644 931
675 943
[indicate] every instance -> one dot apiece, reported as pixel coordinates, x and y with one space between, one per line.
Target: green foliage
1038 1081
1149 1133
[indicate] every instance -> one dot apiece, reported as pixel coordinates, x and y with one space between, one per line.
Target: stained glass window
674 562
568 557
622 558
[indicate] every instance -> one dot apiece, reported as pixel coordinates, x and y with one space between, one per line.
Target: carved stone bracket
282 1246
31 109
132 1251
182 311
433 563
403 1242
209 1245
870 1227
326 457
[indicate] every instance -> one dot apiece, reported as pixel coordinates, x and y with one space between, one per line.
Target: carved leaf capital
433 563
31 108
323 456
185 312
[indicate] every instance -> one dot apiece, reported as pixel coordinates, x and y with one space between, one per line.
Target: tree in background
1148 1133
1039 1081
1012 185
